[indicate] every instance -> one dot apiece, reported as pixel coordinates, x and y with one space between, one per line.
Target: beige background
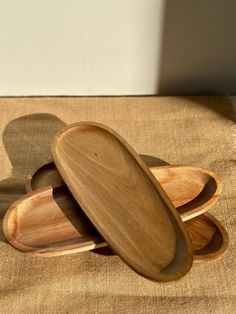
196 131
117 47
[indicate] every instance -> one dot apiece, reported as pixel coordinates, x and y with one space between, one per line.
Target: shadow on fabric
27 142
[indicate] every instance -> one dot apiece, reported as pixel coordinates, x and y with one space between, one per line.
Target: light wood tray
64 229
123 200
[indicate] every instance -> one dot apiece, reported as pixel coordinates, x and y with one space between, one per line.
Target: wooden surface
123 200
64 229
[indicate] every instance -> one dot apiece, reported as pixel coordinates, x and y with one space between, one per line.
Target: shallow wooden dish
208 236
49 222
123 200
191 189
64 229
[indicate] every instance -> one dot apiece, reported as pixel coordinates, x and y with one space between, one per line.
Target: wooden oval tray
123 200
208 236
64 229
191 189
175 181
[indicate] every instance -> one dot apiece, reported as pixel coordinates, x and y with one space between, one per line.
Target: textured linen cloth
181 130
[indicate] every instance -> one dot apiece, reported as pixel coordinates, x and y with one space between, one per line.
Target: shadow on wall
198 49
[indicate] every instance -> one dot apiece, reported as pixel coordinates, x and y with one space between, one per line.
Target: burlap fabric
181 130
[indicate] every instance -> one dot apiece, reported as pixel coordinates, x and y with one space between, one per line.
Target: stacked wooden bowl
98 192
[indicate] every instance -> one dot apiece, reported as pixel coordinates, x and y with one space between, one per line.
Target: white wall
113 47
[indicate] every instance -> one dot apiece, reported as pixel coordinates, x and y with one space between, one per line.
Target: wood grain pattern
192 190
64 229
209 238
48 222
123 200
